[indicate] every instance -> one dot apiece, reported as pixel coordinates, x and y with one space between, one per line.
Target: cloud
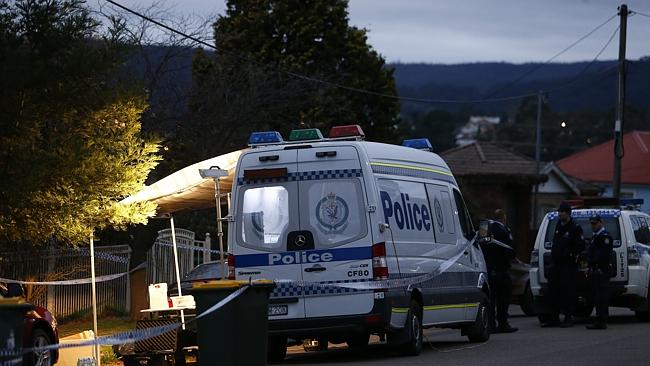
444 31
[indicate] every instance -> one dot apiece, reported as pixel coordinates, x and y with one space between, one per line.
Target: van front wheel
480 330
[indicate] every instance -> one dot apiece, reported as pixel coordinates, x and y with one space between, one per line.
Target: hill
583 86
574 86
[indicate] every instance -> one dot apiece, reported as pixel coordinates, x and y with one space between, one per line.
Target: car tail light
534 258
231 267
170 303
633 257
379 263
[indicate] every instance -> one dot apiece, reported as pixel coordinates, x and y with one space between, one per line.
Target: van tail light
633 257
231 267
534 258
379 263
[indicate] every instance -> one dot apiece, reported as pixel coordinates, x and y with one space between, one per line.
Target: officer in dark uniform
599 256
568 243
498 253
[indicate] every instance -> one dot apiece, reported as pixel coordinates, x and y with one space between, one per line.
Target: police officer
599 256
498 253
568 243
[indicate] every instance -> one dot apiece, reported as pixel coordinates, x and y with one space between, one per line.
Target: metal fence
160 258
69 264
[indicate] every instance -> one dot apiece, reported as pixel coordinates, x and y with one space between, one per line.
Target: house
559 187
594 167
476 127
492 176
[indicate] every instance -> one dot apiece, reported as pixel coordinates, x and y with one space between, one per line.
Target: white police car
338 210
630 260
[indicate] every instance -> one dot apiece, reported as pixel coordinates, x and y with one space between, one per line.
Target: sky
463 31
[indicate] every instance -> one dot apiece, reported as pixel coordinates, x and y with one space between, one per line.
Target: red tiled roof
596 164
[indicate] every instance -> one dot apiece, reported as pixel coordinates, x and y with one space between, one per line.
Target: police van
630 261
317 213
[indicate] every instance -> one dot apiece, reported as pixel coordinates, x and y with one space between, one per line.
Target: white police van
336 210
630 261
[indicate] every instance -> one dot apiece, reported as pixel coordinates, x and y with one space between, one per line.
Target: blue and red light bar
420 144
346 131
267 137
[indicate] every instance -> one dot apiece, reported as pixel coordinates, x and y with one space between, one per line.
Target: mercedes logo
300 240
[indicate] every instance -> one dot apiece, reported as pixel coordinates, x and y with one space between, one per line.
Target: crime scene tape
80 281
188 247
142 334
501 244
123 337
385 284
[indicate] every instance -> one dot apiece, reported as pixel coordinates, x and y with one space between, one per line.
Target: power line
358 90
316 80
634 12
584 70
548 61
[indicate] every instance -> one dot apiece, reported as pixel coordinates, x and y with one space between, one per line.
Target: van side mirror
483 235
15 290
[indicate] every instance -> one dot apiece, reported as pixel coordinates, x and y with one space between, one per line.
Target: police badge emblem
332 213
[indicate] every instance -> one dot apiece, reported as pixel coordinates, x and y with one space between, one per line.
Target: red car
39 329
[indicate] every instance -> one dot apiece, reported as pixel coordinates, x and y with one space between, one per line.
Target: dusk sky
478 30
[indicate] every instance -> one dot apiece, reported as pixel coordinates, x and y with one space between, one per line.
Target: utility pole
620 103
538 143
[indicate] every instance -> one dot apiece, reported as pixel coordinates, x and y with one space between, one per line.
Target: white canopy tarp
186 189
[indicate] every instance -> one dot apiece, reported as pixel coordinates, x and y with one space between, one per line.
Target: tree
250 82
437 125
70 140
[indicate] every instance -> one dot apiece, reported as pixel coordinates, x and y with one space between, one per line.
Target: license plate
278 310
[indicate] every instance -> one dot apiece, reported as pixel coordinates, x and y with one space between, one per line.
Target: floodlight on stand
216 173
213 172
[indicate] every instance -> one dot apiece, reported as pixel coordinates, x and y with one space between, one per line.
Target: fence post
127 303
207 255
51 263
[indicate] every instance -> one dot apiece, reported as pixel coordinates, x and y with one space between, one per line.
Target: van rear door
267 200
333 214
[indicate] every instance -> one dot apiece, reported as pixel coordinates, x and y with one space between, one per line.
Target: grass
105 326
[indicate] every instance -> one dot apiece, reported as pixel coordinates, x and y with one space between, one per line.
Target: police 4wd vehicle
337 210
630 260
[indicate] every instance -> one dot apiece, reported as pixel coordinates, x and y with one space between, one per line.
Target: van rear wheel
358 341
644 315
413 346
277 349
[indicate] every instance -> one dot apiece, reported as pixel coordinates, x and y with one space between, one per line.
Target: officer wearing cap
498 253
568 243
599 257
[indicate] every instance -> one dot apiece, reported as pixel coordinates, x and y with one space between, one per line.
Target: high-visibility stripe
439 307
391 165
451 306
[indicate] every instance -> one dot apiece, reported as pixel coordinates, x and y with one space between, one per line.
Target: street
624 343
